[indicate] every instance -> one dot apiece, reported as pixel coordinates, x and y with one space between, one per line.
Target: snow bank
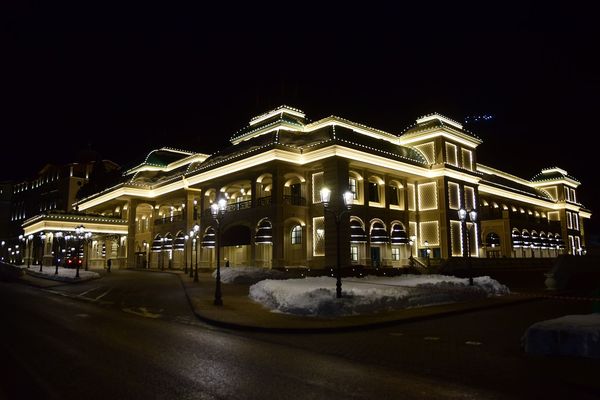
316 296
248 274
571 335
64 274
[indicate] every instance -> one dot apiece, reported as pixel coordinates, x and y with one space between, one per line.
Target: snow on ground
64 274
316 296
570 335
248 274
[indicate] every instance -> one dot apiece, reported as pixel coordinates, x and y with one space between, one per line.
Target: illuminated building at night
407 190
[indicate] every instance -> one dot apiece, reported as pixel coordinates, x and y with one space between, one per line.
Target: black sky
125 81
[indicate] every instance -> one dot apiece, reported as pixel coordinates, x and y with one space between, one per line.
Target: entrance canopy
68 223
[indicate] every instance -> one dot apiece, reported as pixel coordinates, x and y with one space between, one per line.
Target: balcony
294 200
169 219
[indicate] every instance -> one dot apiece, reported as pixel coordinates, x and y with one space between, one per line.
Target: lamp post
348 198
196 230
29 239
462 215
218 212
43 242
192 246
79 231
58 235
162 253
3 244
185 243
87 237
427 252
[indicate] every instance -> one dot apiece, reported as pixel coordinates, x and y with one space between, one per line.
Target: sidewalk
240 312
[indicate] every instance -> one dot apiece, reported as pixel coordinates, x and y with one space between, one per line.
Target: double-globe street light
79 232
348 198
29 246
57 235
218 211
462 215
194 233
43 243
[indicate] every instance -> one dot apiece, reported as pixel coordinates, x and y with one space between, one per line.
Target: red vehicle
72 262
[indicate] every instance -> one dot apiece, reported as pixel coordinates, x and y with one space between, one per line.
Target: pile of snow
571 335
316 296
64 274
248 274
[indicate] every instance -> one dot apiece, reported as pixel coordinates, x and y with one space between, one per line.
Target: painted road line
87 291
103 294
432 338
143 312
473 343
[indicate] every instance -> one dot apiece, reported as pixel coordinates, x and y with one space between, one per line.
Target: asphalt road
132 335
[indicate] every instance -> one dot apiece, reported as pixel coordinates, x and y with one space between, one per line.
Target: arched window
296 235
492 239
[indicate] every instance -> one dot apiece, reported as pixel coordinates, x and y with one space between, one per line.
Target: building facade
407 191
52 190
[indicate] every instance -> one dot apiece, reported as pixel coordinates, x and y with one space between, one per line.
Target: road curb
347 328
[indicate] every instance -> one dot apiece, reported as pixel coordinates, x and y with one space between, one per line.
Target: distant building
406 193
53 189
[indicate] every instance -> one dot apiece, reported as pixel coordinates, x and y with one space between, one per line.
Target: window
394 196
373 192
569 220
317 185
297 234
567 194
575 221
354 253
453 196
573 199
451 154
395 254
467 159
352 188
318 236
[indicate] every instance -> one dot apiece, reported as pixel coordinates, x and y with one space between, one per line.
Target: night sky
122 82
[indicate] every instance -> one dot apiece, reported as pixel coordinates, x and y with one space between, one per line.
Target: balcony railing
242 205
169 219
263 201
294 200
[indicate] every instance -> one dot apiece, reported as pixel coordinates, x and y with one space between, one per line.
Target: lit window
297 234
352 188
395 254
354 253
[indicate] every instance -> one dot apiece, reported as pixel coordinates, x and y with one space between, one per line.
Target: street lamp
43 240
427 252
79 231
196 230
192 247
4 243
87 237
186 237
162 253
462 215
58 235
218 212
348 198
29 239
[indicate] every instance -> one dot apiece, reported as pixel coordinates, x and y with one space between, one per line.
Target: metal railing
169 219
